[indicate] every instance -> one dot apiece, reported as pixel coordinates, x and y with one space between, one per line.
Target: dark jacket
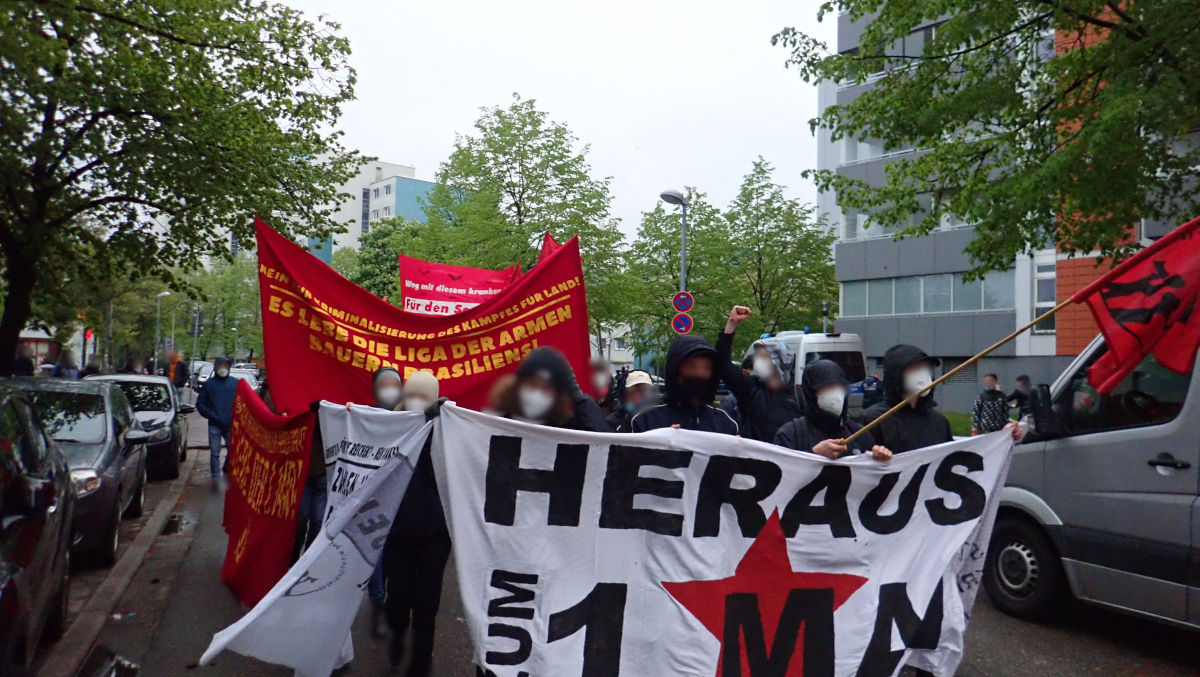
64 370
1020 400
23 366
549 364
729 405
215 400
817 425
181 373
872 391
990 412
420 516
763 410
911 427
674 410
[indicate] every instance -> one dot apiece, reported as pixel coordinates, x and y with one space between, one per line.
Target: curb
72 650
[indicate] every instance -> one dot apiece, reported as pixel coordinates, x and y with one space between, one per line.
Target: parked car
201 370
105 448
247 376
157 406
1101 499
37 503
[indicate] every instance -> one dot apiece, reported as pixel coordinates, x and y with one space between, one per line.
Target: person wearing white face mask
824 427
766 399
418 547
907 370
215 403
545 392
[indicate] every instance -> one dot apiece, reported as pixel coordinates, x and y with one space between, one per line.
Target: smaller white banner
358 439
431 307
304 621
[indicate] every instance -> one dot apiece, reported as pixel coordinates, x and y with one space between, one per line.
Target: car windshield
72 417
245 376
147 396
851 362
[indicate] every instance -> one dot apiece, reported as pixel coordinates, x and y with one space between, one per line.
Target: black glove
314 406
434 410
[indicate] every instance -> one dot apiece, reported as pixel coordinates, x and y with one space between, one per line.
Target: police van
1101 499
805 348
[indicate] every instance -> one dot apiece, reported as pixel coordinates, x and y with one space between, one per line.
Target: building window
387 211
928 294
387 190
619 344
366 211
374 214
854 299
1045 295
375 193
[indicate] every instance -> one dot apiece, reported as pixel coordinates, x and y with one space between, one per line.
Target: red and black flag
1147 305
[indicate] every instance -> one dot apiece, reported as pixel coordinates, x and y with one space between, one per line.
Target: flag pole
913 397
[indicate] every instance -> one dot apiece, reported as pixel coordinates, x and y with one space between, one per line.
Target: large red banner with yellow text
442 289
324 336
268 464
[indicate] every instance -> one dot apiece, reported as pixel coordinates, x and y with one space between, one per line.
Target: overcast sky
667 92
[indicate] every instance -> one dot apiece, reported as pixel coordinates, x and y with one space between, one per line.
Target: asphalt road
176 602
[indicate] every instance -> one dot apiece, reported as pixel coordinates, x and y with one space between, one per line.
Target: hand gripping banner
324 336
682 553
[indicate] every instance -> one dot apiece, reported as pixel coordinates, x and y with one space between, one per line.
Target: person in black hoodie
824 427
766 399
417 548
692 375
906 370
545 392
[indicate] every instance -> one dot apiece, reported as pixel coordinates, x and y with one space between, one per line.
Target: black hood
785 363
549 364
817 375
681 348
895 361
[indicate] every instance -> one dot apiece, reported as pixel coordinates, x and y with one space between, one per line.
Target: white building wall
349 212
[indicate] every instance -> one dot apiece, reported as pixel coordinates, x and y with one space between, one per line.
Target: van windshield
851 362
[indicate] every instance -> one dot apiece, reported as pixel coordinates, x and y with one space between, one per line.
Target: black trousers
414 590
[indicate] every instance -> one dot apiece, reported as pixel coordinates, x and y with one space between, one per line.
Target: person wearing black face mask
692 376
824 427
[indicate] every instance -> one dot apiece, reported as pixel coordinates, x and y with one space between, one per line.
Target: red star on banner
765 577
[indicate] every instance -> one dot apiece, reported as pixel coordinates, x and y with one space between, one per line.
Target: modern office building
913 290
380 190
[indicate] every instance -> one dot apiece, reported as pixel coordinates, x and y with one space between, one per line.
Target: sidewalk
176 602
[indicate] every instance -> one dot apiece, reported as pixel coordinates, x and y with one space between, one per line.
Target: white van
844 349
1101 499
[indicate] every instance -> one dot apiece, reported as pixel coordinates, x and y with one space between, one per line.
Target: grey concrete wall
950 334
938 252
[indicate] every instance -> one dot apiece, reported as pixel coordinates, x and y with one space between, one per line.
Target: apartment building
380 190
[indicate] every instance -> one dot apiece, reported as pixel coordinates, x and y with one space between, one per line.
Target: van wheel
1023 574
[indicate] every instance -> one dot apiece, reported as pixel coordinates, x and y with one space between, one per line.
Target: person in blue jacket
215 403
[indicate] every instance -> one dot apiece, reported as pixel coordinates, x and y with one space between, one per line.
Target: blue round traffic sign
682 302
681 323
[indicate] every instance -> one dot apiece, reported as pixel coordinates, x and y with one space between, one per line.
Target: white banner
683 553
358 439
304 621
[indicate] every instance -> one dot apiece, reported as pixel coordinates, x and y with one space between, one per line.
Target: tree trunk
19 280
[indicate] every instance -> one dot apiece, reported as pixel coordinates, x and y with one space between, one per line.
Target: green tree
144 133
521 175
378 269
1038 147
782 257
345 262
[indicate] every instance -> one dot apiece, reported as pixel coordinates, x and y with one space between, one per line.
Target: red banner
1147 306
442 289
549 246
324 336
268 464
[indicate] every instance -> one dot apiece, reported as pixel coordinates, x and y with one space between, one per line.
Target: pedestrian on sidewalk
24 364
175 370
1019 398
417 548
990 412
66 367
215 403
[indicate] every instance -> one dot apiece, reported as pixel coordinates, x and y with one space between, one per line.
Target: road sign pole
683 251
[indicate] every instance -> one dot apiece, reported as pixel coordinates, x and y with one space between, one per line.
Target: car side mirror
135 436
186 409
1046 421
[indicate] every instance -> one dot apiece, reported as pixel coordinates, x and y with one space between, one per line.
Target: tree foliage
765 251
1066 148
141 134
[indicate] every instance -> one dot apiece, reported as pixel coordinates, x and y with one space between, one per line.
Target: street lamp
677 198
158 330
235 344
